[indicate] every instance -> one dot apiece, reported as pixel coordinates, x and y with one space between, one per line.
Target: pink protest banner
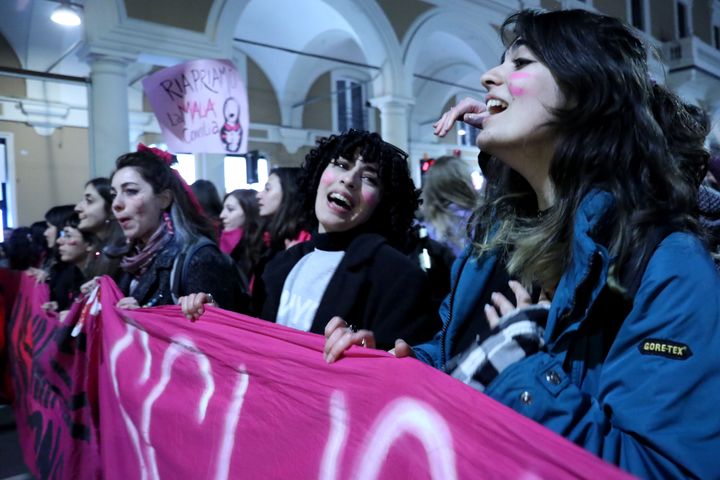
231 396
201 106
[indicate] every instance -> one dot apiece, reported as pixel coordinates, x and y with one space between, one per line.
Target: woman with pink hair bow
171 244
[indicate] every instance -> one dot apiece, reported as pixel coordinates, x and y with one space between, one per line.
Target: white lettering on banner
145 375
120 346
231 423
409 416
338 435
179 345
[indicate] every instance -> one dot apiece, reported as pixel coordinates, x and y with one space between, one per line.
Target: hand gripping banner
148 394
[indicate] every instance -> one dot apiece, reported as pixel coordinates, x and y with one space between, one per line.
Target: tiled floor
11 463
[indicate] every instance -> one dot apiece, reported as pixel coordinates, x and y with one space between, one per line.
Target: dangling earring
168 223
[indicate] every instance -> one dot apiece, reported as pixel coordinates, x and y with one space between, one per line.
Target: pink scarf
230 238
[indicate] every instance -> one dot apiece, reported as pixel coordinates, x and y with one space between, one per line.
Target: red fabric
231 396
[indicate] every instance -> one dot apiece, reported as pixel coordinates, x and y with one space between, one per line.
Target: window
466 134
350 100
682 18
186 166
637 14
236 173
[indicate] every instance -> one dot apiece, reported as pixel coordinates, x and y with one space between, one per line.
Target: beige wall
662 18
49 170
318 111
262 101
702 20
9 86
278 155
614 8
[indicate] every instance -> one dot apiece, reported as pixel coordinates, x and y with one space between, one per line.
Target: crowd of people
583 292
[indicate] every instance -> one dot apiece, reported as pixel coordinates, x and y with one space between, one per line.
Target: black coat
209 271
374 287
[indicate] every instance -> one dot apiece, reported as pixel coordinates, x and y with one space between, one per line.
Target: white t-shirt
305 286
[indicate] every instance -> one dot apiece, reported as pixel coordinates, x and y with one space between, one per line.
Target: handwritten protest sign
147 394
201 106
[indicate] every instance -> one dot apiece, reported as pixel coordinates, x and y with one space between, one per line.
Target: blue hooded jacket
638 388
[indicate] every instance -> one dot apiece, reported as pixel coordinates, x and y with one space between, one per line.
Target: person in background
448 199
74 249
96 218
25 249
282 219
240 219
362 201
588 300
172 248
209 199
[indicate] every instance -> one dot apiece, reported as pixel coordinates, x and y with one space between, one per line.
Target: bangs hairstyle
609 136
187 220
394 215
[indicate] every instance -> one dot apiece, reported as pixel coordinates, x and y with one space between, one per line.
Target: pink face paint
516 90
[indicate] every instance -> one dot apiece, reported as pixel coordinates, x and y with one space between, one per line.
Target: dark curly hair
394 214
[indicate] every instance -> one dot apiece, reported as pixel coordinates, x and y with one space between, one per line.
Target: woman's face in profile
91 210
270 198
232 214
522 94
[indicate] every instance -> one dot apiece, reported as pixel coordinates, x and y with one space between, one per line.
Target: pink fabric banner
147 394
201 106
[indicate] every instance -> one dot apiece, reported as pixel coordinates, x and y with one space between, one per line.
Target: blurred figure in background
209 199
96 218
448 199
240 219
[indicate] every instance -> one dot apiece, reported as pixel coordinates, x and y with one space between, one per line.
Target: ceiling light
65 15
461 132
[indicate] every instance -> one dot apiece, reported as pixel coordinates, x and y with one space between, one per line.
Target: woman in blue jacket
588 301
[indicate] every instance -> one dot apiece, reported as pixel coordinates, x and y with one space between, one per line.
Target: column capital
93 54
391 102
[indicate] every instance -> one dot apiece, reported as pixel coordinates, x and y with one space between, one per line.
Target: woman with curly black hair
361 200
593 172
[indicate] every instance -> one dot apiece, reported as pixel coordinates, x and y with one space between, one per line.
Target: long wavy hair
250 248
110 233
611 135
188 222
288 221
394 215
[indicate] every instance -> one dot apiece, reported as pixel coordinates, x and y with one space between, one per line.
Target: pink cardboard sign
201 106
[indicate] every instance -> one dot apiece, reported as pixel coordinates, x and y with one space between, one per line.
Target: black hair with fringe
394 215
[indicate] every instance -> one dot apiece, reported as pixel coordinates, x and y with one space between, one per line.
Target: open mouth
340 200
495 106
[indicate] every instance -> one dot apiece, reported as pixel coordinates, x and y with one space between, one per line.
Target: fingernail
329 359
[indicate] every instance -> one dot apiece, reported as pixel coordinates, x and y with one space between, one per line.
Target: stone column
109 129
395 125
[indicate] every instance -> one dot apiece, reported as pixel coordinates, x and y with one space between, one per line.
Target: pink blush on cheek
327 177
515 90
371 198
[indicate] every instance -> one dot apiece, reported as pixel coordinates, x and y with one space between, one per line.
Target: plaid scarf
141 256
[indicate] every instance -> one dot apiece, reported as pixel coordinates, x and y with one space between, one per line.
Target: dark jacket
375 287
633 384
209 271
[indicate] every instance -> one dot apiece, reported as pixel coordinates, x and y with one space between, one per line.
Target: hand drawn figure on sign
231 132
